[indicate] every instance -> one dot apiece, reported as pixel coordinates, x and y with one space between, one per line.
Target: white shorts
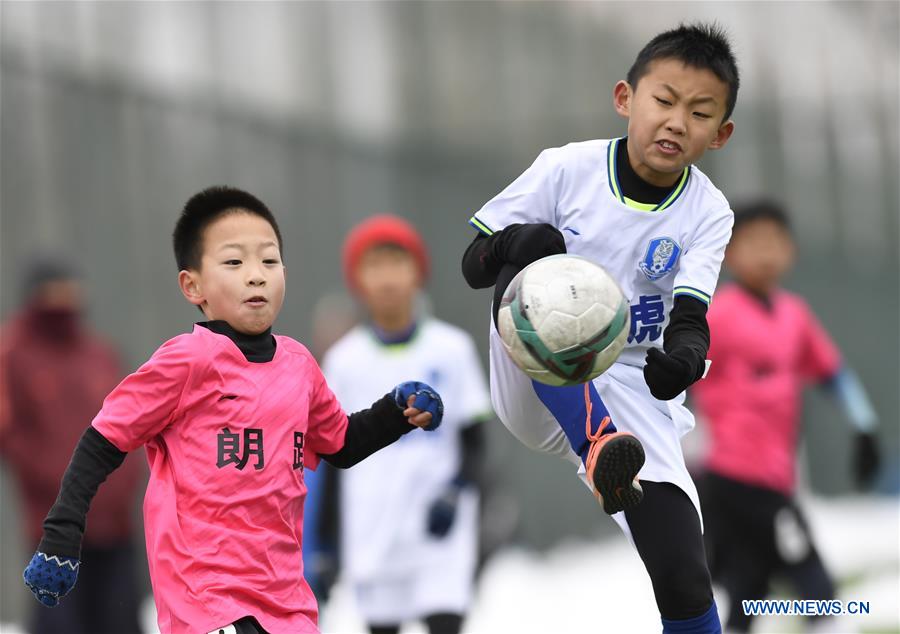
441 581
659 425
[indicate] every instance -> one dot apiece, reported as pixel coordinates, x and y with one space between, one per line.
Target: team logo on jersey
660 259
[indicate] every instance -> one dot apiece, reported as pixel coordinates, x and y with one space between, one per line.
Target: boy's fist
669 374
50 577
420 404
442 512
522 244
865 459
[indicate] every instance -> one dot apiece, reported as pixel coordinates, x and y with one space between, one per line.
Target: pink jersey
227 441
751 397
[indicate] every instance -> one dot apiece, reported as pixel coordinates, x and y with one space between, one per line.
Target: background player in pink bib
230 416
766 345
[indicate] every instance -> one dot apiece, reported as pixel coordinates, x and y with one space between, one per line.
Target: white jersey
385 498
654 252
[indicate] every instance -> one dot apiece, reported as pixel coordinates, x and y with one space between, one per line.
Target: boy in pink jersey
230 416
766 344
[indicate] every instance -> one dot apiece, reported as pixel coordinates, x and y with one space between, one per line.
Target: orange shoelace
594 451
588 406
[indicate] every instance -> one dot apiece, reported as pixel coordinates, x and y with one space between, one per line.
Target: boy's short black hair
205 207
761 209
703 46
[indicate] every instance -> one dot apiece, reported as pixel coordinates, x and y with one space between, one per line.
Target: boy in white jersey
637 207
408 514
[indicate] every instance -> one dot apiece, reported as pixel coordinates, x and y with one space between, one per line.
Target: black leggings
443 623
666 531
752 535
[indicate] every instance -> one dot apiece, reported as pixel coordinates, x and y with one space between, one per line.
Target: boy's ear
190 287
724 133
622 94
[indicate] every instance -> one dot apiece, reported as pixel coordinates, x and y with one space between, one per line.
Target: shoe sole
617 465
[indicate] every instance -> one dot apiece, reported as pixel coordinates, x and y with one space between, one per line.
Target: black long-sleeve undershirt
370 430
95 458
688 328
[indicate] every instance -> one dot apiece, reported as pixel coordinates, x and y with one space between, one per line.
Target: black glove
865 459
668 374
520 245
443 511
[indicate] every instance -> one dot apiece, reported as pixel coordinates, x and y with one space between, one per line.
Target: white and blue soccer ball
563 320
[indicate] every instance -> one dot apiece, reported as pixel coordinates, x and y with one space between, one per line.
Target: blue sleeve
846 387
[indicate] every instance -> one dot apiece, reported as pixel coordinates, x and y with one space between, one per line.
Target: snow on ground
600 587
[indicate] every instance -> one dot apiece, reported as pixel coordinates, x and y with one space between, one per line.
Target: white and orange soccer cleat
612 465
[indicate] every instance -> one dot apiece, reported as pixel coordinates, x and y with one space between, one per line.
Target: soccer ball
563 320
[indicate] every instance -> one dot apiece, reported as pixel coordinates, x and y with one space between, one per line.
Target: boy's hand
442 512
865 459
522 244
669 374
50 577
421 405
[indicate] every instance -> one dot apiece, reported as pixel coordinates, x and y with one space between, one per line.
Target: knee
683 591
813 581
535 432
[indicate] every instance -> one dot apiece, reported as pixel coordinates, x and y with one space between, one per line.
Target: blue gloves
50 577
443 511
427 400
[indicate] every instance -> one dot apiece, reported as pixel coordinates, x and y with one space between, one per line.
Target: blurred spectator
54 375
766 345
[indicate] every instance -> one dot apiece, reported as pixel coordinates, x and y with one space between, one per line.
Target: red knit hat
377 230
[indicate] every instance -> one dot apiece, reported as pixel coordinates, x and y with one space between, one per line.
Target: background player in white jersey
409 517
639 208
